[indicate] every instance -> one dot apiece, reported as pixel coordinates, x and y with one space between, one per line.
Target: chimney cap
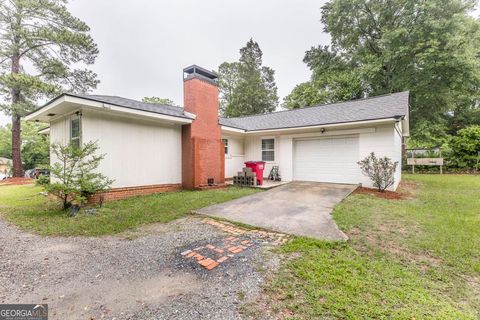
194 69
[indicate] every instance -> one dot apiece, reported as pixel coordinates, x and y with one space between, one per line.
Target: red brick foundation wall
123 193
202 148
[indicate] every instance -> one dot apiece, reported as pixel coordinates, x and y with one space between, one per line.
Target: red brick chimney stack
203 159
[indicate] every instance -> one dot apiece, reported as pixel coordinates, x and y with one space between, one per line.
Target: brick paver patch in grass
211 255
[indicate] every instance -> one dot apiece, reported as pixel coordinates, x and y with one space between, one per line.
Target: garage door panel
327 160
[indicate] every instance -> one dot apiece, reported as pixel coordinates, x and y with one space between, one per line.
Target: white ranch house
151 147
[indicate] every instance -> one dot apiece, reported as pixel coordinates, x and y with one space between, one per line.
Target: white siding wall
253 151
383 140
236 156
138 152
59 133
285 146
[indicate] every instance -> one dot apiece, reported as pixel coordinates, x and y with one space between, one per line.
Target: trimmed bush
465 148
380 170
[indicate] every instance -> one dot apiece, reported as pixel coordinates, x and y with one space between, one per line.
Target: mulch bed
16 181
406 190
384 195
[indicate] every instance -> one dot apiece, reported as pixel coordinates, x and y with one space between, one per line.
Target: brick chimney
203 159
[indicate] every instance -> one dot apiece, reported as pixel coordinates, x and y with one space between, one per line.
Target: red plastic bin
257 167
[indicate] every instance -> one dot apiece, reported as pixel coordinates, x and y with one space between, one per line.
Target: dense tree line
35 146
431 48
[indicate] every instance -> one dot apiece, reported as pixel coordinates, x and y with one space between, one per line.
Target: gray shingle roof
380 107
138 105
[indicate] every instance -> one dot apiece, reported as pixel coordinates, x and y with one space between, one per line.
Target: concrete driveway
299 208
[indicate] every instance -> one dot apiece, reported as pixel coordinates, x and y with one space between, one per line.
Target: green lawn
406 259
28 209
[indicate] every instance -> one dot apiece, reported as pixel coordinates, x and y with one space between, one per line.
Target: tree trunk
16 147
16 124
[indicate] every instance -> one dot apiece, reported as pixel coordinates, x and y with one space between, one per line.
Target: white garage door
327 160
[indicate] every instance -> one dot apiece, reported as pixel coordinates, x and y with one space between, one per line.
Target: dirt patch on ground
474 285
409 189
406 191
145 277
16 181
110 297
389 236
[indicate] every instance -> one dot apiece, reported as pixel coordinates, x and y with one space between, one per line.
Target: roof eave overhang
73 102
329 125
228 129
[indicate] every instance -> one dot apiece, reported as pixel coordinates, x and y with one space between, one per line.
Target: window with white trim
225 143
75 132
268 149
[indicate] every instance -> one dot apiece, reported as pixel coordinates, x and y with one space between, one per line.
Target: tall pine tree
41 48
247 87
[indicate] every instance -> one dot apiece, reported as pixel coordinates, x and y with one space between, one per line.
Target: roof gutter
232 129
338 124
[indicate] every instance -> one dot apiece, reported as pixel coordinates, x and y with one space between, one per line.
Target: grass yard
25 207
406 259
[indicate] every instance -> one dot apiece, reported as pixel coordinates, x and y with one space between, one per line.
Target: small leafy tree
74 175
380 170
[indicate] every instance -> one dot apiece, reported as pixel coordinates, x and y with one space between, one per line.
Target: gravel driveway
139 275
